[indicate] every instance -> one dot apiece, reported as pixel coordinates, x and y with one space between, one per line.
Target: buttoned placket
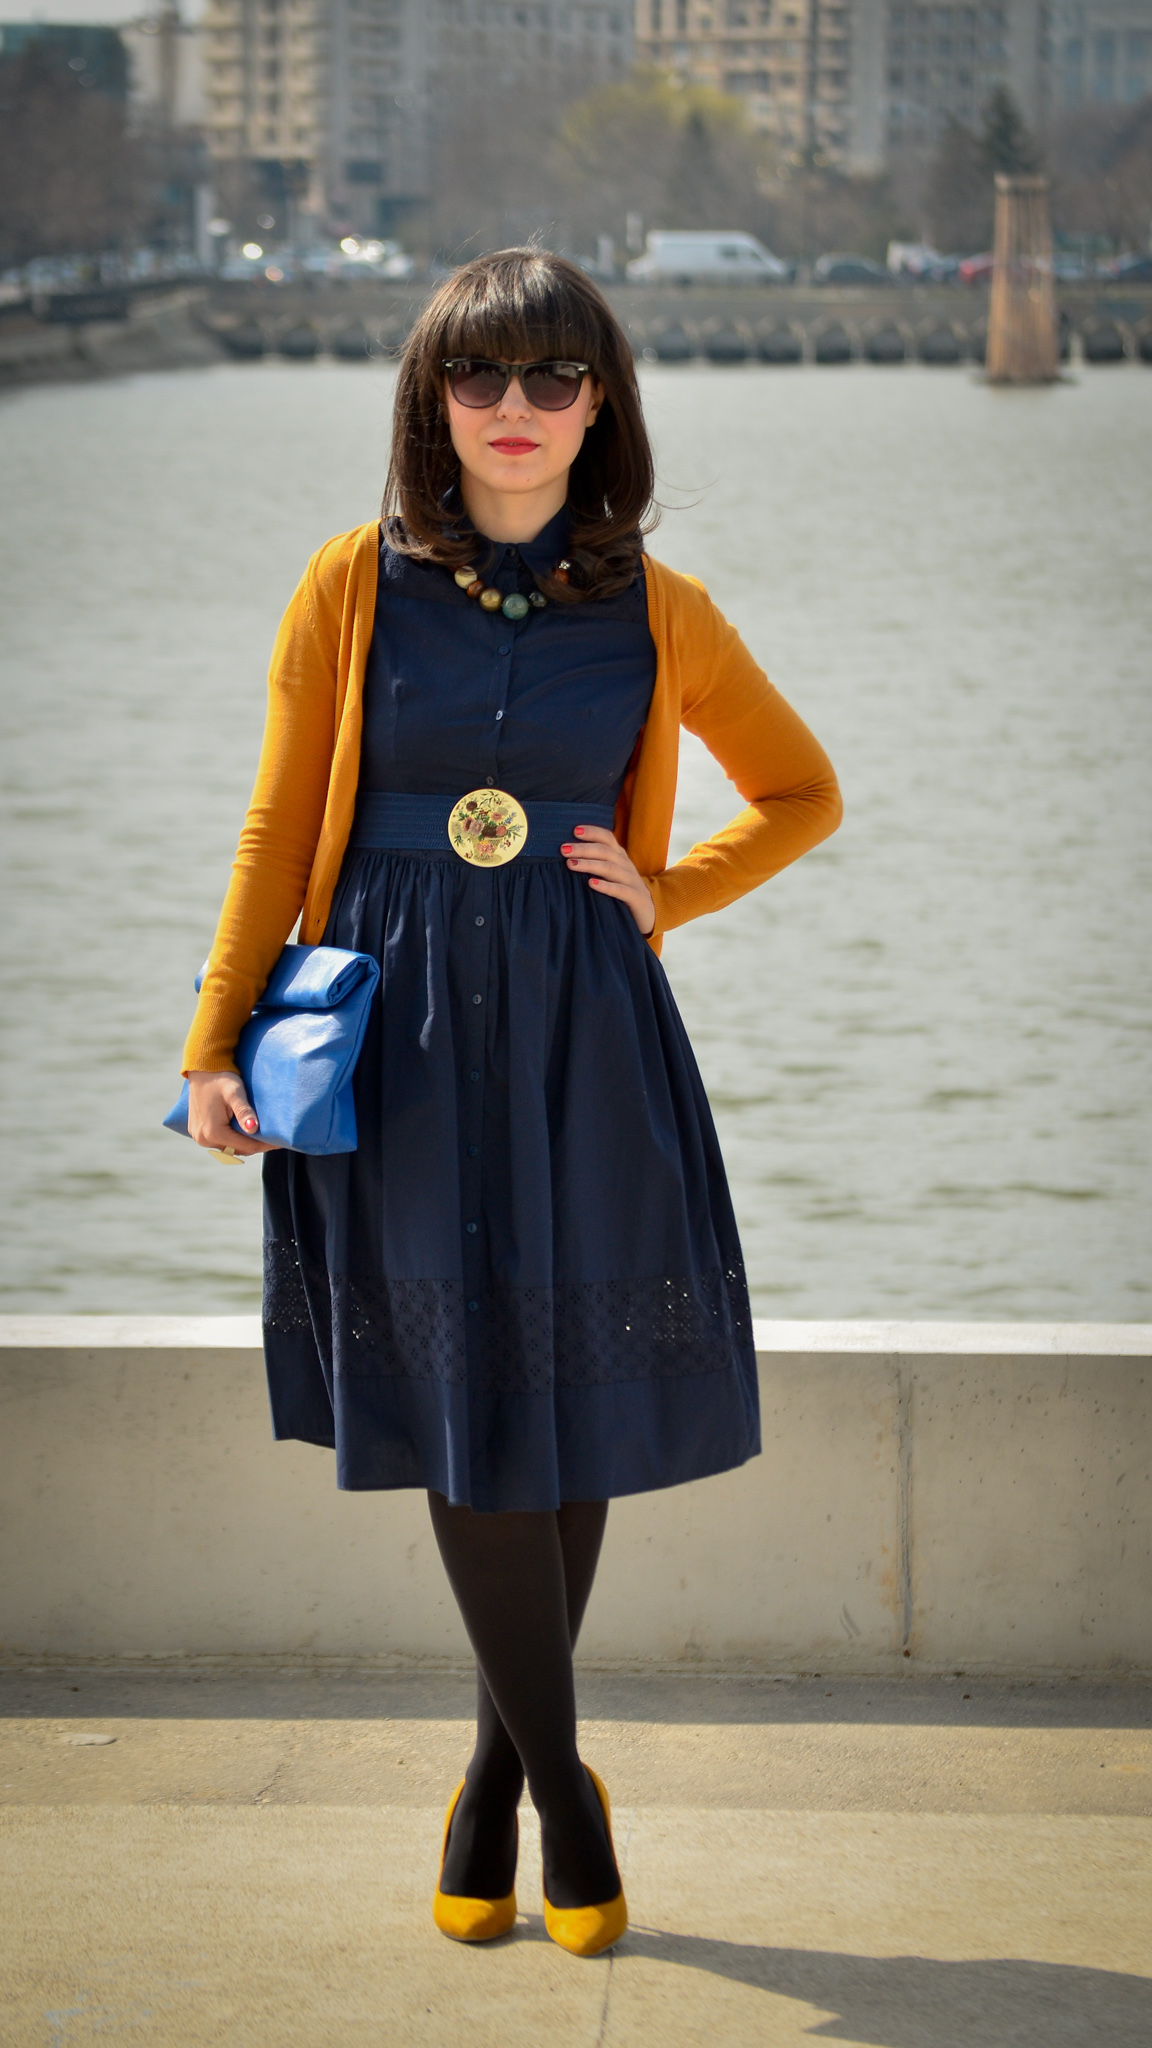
480 902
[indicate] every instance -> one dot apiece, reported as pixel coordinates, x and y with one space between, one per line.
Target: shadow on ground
913 2001
254 1692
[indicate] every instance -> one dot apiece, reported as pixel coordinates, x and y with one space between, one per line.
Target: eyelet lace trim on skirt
523 1340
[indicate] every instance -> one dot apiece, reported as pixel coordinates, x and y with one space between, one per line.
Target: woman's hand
610 872
213 1100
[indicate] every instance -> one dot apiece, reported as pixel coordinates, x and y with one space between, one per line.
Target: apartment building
337 100
788 60
943 62
1101 53
856 80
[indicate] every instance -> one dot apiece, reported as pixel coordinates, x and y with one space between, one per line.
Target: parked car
849 270
919 260
1132 270
699 256
976 269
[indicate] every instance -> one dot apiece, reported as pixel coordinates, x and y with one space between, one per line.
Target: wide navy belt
487 827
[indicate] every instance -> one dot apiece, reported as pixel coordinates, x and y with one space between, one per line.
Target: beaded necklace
515 606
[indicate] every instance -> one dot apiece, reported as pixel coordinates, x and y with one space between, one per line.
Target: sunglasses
552 387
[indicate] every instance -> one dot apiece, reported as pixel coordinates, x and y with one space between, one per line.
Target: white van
703 256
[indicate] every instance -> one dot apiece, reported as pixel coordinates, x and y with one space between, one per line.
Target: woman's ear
595 407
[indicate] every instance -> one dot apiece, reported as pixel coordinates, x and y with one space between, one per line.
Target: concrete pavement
958 1863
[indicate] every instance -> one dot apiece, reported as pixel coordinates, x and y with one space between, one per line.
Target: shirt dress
525 1286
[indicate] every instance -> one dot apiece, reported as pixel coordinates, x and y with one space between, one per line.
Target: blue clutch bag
298 1051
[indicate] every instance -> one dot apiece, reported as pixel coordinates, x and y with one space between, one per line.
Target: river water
927 1045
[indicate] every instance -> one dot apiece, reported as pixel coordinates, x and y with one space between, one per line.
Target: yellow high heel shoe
585 1930
469 1919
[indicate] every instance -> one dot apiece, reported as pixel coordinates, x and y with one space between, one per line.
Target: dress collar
539 556
542 554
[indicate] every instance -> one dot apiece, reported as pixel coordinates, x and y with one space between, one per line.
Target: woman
524 1291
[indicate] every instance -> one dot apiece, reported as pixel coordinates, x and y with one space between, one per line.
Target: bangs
518 311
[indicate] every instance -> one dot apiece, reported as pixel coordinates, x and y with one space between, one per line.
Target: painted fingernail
249 1123
579 831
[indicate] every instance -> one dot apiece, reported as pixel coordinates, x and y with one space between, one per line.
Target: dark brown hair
523 305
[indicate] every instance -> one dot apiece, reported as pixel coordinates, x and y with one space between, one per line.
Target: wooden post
1022 315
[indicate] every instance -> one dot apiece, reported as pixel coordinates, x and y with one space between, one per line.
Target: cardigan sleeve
764 747
282 826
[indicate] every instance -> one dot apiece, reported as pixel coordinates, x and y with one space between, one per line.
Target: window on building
1104 66
681 17
1137 65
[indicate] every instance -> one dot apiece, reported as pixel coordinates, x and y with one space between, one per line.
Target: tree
961 180
69 172
680 156
1102 175
1005 142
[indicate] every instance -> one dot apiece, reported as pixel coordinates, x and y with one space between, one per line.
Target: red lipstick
513 444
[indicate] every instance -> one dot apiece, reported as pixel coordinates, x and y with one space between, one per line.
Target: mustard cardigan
300 816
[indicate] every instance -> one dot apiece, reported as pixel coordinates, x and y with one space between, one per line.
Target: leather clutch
298 1051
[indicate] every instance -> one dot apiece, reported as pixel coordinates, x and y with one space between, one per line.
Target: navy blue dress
525 1286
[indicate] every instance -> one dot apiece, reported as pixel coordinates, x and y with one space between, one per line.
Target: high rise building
921 66
1101 53
788 60
336 101
857 80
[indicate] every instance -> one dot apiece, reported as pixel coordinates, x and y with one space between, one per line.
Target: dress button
471 1228
490 781
475 1074
499 714
473 1305
477 999
479 921
504 650
472 1151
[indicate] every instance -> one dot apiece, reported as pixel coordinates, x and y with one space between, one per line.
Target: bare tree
960 192
1102 175
679 156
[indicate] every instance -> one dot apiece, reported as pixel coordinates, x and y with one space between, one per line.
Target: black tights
522 1583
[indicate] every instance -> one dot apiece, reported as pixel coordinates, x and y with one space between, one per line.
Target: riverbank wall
931 1497
203 324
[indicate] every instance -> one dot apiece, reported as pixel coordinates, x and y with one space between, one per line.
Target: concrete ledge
933 1495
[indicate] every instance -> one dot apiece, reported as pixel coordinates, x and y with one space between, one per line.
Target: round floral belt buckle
487 827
